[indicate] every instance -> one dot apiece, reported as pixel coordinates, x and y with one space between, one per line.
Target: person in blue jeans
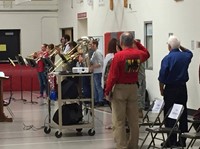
97 67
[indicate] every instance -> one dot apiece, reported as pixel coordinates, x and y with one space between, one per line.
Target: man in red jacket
122 82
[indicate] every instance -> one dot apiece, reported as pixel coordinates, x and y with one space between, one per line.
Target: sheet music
157 106
175 111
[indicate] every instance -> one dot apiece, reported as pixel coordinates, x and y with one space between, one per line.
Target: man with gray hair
122 84
172 78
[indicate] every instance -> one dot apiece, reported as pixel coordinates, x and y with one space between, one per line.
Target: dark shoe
166 145
179 144
101 104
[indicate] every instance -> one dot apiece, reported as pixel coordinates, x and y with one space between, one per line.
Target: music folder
63 58
11 61
20 60
48 63
31 62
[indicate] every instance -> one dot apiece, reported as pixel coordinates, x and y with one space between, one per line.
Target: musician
42 76
86 80
50 50
65 40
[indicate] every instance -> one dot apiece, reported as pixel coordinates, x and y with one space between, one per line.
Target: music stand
48 64
21 62
32 64
13 64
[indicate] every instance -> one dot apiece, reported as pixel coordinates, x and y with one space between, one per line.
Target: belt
127 83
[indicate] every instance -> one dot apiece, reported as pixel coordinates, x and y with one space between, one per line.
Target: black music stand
21 62
10 76
48 64
32 64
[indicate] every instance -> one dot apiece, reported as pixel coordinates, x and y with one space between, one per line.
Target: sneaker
40 96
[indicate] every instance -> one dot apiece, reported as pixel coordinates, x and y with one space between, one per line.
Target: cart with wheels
88 120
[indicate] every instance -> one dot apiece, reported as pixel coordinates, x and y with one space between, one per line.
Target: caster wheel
91 113
127 130
58 134
79 129
91 132
47 130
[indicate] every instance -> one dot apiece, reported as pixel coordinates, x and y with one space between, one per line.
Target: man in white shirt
97 67
65 44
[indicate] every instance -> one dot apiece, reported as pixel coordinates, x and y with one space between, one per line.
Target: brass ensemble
80 49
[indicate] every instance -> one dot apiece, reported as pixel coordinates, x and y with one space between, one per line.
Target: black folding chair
174 113
193 136
156 108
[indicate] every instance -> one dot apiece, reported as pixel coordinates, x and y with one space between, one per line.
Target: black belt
127 83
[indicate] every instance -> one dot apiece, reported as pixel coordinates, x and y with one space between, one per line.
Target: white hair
173 42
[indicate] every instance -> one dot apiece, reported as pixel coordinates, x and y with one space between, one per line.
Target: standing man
97 67
122 79
141 88
172 78
86 83
65 40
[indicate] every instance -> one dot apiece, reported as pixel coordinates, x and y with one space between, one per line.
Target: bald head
173 42
126 39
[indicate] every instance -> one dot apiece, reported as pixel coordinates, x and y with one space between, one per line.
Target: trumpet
36 56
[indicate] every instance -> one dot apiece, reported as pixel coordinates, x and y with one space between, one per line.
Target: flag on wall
21 1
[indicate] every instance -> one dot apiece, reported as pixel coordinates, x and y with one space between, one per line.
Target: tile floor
27 132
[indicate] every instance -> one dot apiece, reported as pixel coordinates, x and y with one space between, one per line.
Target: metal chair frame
161 129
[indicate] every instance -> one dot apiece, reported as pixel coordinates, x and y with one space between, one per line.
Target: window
148 35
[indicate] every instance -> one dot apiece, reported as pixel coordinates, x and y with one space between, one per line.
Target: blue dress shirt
174 67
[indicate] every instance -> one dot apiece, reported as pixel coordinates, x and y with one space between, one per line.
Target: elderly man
173 77
122 79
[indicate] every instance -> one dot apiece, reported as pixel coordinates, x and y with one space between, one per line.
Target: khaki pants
125 106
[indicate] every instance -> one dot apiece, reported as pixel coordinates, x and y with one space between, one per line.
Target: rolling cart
88 119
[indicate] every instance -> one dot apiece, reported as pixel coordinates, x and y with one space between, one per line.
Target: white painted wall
38 22
168 16
36 28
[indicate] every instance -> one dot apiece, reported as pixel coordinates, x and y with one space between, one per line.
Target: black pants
176 94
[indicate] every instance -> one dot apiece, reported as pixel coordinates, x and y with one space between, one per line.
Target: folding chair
156 107
174 113
193 118
193 136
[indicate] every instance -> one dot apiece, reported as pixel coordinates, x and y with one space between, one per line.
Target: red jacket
125 65
40 63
